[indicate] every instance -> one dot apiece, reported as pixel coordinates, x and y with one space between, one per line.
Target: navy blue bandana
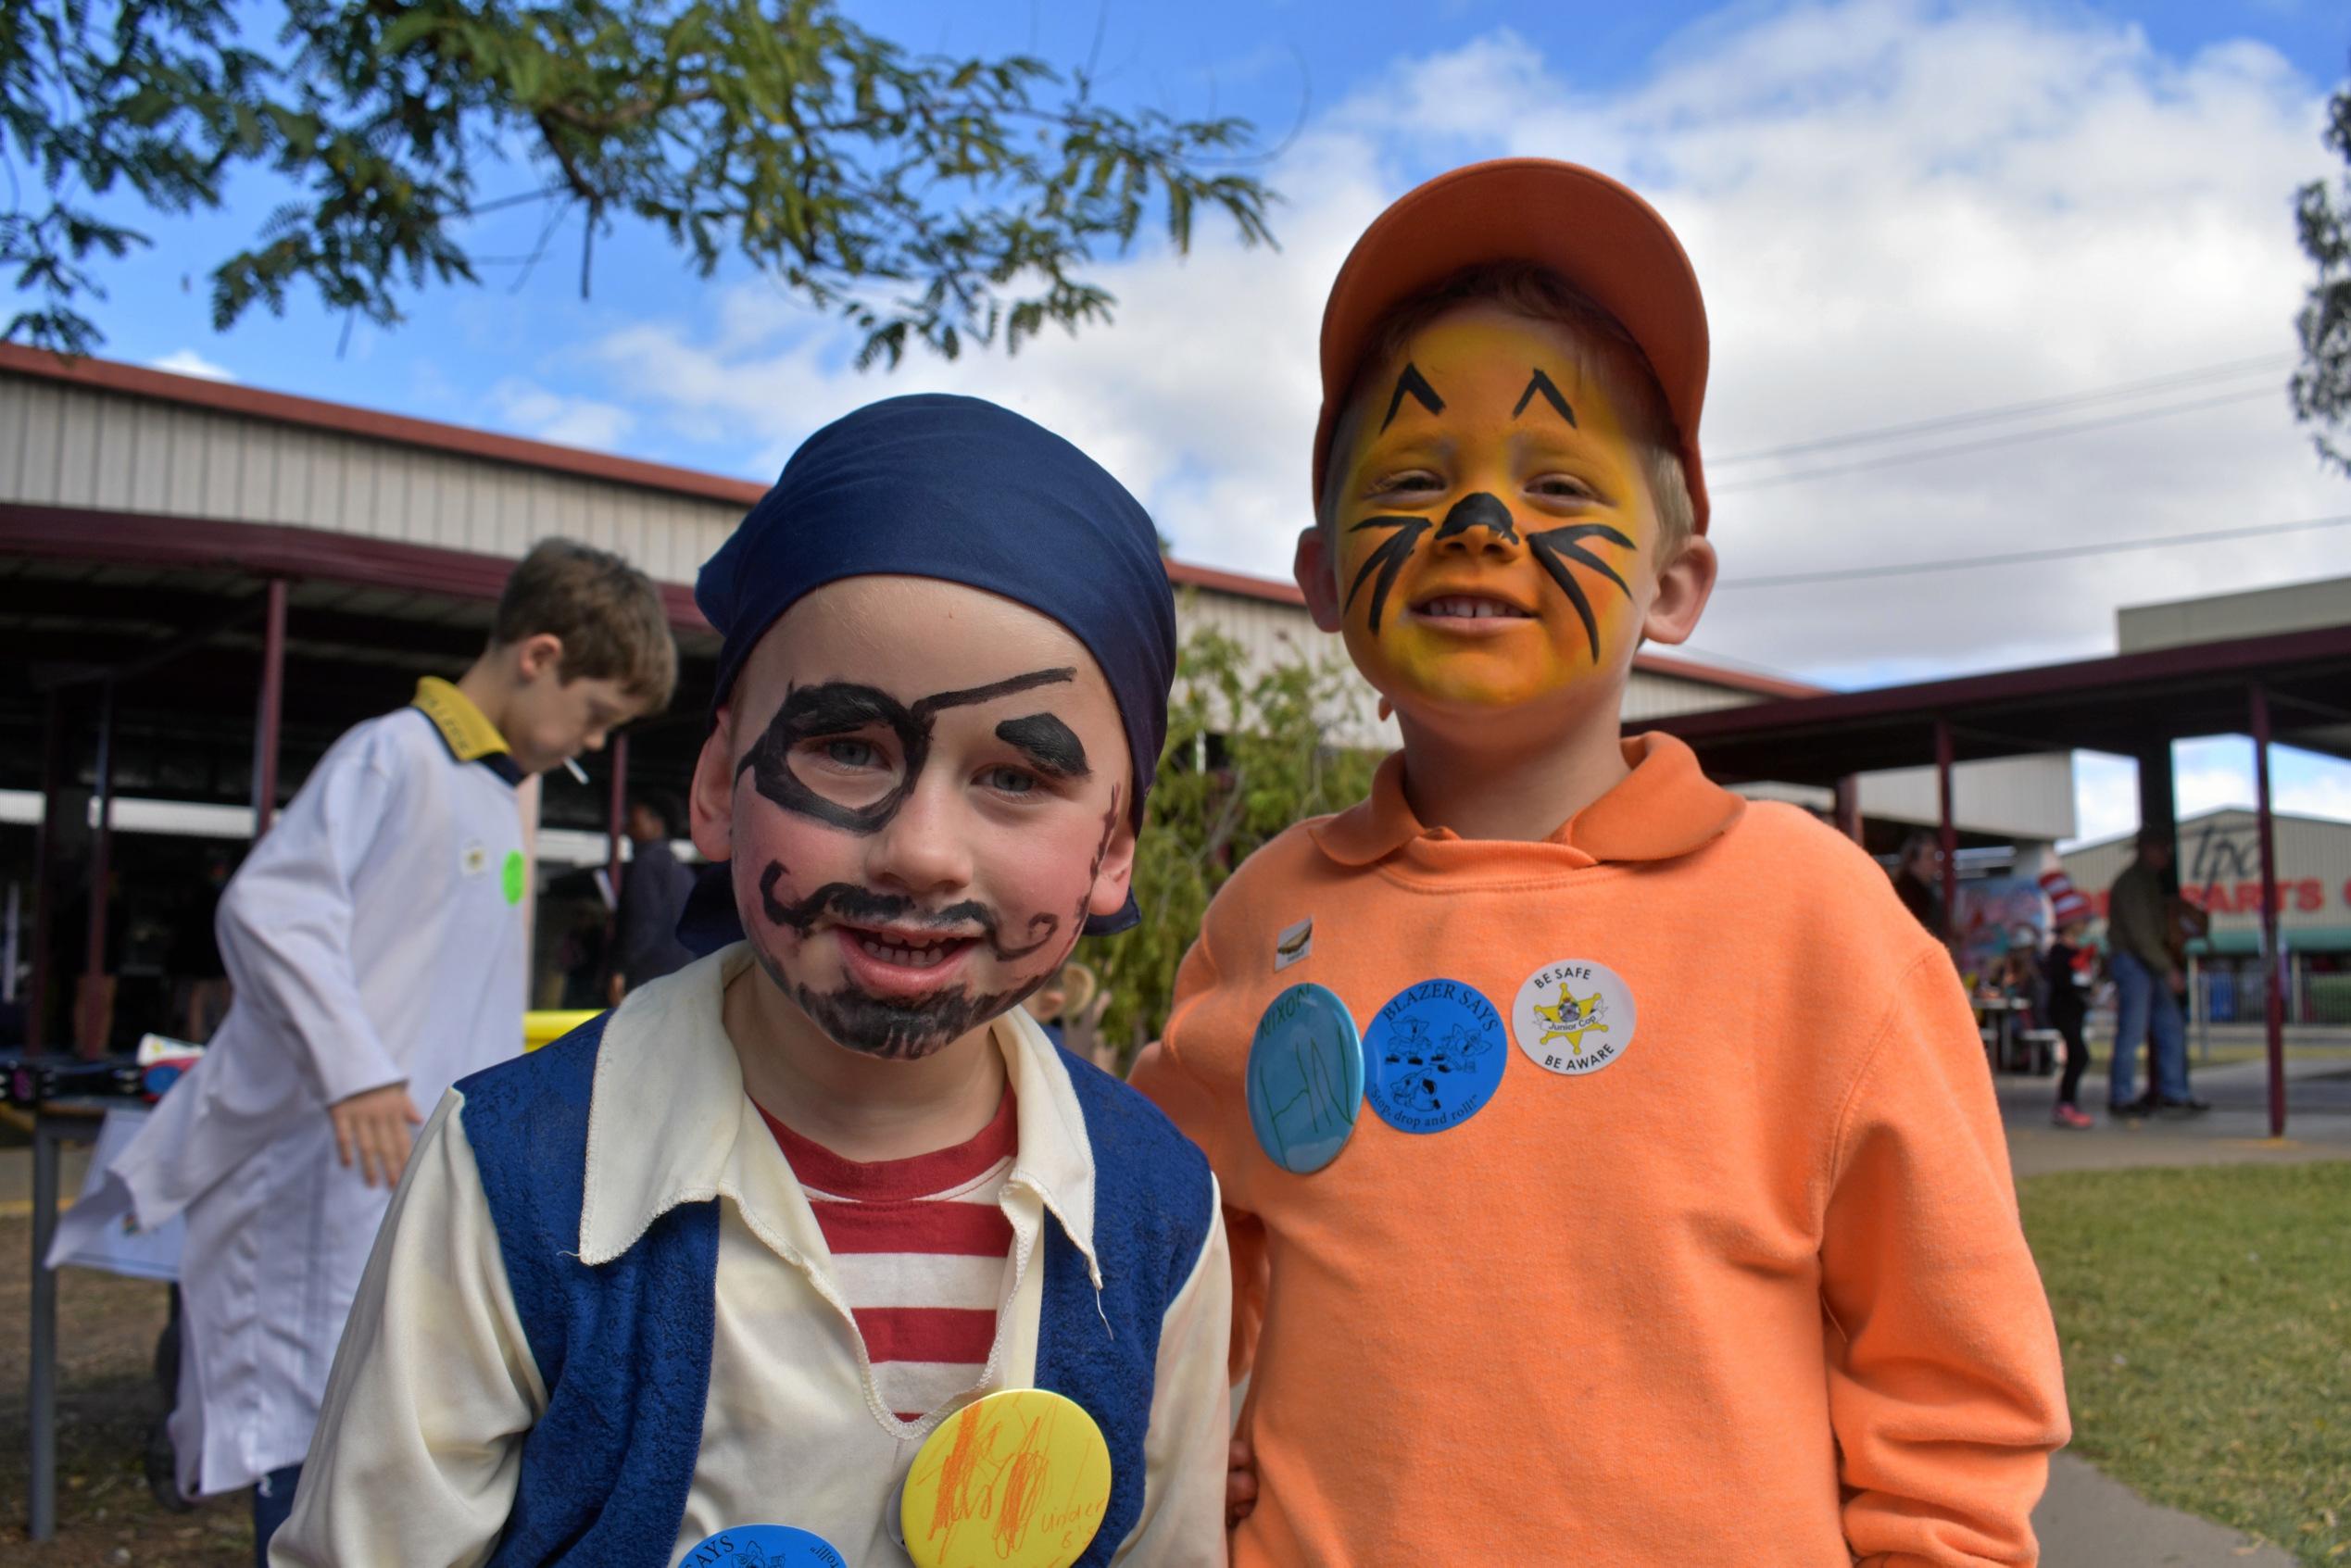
960 490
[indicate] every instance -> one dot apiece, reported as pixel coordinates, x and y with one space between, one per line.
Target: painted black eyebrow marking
1049 742
989 692
840 707
1542 383
1413 381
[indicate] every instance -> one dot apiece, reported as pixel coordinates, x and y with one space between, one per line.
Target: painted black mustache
853 905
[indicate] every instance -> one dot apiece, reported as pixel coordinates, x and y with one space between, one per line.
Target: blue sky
1899 210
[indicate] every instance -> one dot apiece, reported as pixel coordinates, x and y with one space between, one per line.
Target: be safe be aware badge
1573 1016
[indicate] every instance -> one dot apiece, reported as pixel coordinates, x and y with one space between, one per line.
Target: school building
202 584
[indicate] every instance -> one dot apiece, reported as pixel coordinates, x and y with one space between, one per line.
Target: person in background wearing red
2069 968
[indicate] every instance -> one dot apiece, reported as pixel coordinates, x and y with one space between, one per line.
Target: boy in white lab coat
377 948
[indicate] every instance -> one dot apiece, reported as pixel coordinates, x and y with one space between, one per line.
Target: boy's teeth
911 957
1467 608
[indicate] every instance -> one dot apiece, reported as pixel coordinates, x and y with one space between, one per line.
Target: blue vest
625 1348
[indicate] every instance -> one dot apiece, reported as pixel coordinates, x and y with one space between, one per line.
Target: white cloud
1898 210
188 362
550 416
2105 797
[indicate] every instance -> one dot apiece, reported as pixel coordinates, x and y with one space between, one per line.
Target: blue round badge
764 1546
1305 1078
1433 1056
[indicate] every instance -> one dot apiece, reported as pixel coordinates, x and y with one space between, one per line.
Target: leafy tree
1248 755
928 199
2322 386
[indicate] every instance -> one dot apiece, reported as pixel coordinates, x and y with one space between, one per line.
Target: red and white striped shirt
919 1248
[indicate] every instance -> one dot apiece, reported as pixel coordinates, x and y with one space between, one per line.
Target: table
54 1123
2004 1012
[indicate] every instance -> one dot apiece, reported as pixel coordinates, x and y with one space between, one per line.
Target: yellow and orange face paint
1489 469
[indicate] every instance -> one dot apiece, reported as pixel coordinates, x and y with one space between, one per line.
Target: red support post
93 1035
44 870
1848 807
616 813
2272 961
266 717
1949 824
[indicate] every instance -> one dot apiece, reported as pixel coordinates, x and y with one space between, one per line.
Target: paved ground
2237 1130
2087 1520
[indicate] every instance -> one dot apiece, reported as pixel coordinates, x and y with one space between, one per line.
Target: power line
2012 438
2122 391
2019 557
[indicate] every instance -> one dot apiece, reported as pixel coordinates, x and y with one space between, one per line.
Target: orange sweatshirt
1743 1284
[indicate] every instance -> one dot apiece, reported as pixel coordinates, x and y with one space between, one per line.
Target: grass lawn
2205 1316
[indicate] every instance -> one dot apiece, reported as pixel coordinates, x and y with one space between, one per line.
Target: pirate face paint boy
1664 1079
800 1207
920 827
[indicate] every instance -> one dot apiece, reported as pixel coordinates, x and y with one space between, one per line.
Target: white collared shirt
376 936
419 1444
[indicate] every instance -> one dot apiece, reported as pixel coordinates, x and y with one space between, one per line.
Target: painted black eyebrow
1412 382
1008 687
1049 742
1542 383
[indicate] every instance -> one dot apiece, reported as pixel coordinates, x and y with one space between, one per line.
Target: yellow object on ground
545 1028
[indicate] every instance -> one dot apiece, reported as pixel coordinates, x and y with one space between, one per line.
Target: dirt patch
107 1402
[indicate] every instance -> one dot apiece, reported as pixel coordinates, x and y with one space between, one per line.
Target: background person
1918 881
2148 985
2067 970
378 954
654 887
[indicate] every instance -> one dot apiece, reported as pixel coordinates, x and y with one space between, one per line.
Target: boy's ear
1317 577
710 799
1117 872
1684 585
537 654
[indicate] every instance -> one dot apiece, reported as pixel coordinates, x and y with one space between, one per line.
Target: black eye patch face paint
1048 743
1413 383
844 707
1542 383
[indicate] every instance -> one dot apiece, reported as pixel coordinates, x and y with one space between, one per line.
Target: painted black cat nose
1480 510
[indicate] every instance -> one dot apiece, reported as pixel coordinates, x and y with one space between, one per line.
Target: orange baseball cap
1582 225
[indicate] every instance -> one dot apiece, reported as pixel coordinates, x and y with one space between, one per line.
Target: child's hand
376 1126
1240 1482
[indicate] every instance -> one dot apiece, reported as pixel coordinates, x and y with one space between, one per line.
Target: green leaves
1249 754
929 201
2321 388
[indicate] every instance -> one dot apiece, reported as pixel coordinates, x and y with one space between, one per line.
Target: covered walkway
2295 688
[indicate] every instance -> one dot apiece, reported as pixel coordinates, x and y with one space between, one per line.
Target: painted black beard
892 1030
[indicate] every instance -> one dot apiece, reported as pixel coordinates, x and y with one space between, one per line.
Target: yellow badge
1019 1479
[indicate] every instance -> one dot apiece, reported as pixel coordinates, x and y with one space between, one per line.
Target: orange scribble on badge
1020 1479
957 1470
1023 1488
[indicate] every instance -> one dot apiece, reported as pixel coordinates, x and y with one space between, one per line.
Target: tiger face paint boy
1491 527
1494 534
1598 1091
